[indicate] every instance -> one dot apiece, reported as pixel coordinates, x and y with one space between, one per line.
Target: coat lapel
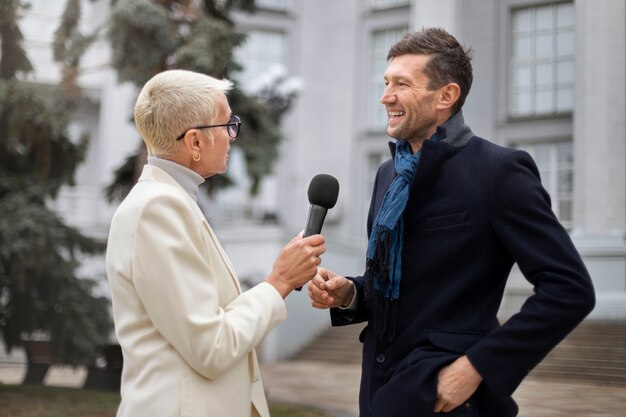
222 253
433 156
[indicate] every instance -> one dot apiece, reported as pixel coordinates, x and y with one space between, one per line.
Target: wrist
280 284
347 300
472 372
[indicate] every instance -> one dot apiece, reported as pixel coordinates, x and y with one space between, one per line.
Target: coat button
380 358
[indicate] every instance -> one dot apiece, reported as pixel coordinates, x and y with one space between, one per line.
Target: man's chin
395 133
392 132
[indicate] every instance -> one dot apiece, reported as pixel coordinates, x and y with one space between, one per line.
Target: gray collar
454 131
186 178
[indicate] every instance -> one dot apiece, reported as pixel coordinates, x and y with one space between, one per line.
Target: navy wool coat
474 210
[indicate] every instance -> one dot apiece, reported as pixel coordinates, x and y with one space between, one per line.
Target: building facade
549 78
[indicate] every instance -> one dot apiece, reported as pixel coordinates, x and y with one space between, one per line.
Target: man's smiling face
410 103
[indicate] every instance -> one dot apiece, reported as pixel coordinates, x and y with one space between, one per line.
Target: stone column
600 150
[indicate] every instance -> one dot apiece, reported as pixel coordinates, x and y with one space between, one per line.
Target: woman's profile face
216 142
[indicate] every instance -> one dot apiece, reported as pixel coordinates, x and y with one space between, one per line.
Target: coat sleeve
176 283
523 220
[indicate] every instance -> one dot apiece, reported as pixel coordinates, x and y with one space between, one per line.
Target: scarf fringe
382 307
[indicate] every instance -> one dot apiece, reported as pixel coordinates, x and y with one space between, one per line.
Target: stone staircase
337 345
595 353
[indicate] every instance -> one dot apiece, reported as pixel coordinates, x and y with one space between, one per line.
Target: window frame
505 94
376 5
241 75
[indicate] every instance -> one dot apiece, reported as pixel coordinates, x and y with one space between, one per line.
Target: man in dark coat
450 215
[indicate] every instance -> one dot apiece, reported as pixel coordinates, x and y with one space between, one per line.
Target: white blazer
186 330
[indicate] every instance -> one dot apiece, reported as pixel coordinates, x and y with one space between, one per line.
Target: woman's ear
192 141
449 95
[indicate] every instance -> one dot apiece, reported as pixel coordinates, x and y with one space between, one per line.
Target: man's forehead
406 66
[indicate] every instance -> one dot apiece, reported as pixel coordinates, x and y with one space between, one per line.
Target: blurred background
549 78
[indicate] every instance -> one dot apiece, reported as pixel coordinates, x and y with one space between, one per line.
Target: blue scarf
384 251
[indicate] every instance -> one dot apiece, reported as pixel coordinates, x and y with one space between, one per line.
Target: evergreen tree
150 36
40 292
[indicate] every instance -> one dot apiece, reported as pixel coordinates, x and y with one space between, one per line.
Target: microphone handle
314 223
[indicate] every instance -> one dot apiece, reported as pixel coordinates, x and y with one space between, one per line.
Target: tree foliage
40 292
150 36
11 42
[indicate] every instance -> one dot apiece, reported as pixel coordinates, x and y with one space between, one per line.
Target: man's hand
327 289
457 382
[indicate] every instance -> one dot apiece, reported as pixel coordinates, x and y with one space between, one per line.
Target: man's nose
387 97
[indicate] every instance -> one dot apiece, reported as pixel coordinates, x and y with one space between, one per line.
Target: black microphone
323 192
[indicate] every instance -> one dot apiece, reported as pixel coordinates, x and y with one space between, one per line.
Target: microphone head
323 191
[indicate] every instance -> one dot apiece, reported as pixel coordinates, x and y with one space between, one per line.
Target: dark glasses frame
234 126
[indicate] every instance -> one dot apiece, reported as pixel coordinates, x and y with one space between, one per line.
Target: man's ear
448 95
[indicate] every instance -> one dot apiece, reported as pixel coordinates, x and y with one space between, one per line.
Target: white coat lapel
222 253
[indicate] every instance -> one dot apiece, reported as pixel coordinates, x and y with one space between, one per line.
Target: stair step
595 361
582 369
594 377
594 352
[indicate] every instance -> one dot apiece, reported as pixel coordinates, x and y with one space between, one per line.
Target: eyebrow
396 78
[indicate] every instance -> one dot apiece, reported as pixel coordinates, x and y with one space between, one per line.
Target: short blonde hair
172 102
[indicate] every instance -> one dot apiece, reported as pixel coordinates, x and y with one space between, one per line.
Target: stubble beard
404 132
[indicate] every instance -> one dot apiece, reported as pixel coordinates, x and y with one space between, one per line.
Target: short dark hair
449 62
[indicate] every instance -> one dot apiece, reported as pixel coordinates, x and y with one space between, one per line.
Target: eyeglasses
234 124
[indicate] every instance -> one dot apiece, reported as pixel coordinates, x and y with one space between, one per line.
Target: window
542 60
261 51
380 42
384 4
556 166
